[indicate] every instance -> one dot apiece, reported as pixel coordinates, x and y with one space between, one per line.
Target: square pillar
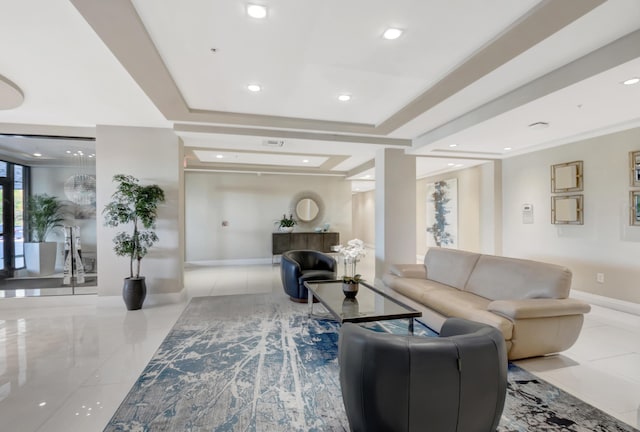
154 156
395 209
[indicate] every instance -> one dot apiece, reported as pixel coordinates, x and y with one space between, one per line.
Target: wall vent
273 143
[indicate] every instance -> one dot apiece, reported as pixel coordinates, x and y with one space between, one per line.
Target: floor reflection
46 286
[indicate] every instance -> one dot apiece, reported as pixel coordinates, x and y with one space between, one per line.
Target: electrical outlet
600 277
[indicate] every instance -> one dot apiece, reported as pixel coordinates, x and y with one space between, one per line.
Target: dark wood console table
320 241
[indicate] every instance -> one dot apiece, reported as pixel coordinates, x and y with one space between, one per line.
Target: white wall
50 181
364 217
155 157
251 204
605 243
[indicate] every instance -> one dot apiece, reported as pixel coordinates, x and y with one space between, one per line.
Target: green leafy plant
44 214
137 206
287 222
351 279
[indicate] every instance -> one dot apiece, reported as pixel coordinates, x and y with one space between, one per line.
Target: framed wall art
567 210
567 177
634 200
442 213
634 168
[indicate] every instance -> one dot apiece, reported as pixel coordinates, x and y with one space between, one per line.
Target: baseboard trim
608 302
230 262
150 300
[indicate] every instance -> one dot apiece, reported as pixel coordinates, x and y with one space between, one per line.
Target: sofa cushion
455 303
500 278
412 288
414 271
449 266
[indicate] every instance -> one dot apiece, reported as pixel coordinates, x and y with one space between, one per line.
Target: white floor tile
626 366
631 417
605 390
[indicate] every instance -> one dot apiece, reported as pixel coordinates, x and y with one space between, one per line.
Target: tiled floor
67 362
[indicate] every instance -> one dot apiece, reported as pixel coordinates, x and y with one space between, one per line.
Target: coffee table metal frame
409 313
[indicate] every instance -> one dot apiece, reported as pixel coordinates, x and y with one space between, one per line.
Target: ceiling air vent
273 143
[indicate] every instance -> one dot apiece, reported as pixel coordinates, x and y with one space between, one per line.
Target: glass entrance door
3 253
11 219
6 242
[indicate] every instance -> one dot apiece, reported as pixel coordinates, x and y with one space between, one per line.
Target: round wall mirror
307 209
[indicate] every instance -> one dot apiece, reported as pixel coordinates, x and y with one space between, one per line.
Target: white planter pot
40 258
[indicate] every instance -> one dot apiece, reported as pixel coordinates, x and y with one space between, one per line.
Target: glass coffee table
371 304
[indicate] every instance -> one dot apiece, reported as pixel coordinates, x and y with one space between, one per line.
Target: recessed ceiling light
392 33
507 148
254 88
344 97
305 160
631 81
256 11
219 156
68 151
539 125
453 145
450 164
37 154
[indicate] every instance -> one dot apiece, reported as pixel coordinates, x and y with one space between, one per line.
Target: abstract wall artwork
634 194
442 213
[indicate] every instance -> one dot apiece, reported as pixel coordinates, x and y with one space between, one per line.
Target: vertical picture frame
567 177
634 169
567 210
634 208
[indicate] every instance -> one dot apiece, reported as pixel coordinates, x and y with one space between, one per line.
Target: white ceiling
50 151
468 73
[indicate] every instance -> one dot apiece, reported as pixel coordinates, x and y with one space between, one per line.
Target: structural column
154 156
491 208
395 209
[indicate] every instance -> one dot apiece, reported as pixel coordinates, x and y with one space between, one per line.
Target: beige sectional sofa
526 300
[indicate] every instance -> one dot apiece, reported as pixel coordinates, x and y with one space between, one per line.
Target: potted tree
136 206
44 214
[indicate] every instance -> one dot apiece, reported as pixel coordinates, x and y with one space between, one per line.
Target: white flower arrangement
351 255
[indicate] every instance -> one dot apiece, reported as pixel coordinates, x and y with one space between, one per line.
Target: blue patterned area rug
258 363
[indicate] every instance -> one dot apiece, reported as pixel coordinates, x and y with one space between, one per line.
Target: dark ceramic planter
350 290
134 292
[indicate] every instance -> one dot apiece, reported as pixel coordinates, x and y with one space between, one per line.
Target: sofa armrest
413 271
538 308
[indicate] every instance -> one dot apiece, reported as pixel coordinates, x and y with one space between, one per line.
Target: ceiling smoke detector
273 143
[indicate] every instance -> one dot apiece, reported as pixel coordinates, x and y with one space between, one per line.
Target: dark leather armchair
298 266
455 382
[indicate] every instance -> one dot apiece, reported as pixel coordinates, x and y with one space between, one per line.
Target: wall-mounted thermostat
527 213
